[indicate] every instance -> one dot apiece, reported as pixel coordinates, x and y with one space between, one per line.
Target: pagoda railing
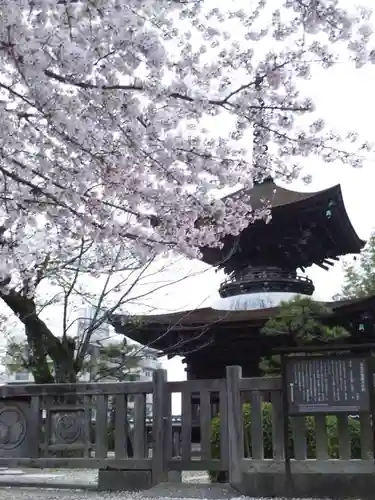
266 281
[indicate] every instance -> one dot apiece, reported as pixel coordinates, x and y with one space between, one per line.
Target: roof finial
260 148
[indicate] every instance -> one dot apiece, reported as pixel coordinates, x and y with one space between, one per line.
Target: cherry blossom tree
68 315
104 106
106 111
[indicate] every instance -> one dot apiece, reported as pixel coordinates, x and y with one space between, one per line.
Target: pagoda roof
355 304
205 315
283 241
278 196
154 329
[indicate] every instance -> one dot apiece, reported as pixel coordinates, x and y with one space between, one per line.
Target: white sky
345 98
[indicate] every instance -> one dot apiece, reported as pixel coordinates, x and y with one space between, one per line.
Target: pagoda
265 264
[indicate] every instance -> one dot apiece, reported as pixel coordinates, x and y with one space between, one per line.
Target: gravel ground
34 494
78 477
194 486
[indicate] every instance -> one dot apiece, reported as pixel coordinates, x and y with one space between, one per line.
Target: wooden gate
201 400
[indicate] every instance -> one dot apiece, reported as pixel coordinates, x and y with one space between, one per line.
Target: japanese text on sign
321 384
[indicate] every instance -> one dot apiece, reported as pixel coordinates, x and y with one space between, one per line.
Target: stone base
310 485
124 480
174 476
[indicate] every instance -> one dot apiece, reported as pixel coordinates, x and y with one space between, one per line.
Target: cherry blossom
102 109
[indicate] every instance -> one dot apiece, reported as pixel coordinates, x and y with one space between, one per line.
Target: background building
86 317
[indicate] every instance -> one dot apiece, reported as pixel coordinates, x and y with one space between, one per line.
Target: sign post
319 381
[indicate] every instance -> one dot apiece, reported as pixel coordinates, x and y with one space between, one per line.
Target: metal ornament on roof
253 301
259 147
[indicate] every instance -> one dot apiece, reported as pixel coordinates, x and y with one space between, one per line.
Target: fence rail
66 425
79 389
105 425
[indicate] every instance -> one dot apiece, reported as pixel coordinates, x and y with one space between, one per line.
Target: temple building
264 265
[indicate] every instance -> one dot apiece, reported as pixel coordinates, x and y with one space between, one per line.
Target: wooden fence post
235 424
159 463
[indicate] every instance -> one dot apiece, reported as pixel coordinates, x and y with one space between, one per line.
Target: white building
88 316
22 377
148 363
9 375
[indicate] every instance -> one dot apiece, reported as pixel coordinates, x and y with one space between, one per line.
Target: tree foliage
333 444
359 276
106 109
304 321
116 360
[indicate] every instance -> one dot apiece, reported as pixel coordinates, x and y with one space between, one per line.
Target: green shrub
331 426
111 438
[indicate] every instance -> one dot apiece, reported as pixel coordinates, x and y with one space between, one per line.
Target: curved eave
300 202
206 315
353 238
355 305
276 195
160 330
209 317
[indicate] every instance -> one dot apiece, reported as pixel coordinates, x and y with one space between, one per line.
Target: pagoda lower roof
155 329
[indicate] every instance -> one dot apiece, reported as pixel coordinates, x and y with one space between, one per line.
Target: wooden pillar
235 424
189 371
159 462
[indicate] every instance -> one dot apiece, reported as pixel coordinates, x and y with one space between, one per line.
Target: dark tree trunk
42 343
64 363
37 362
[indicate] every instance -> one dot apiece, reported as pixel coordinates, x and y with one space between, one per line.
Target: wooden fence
74 426
64 425
336 443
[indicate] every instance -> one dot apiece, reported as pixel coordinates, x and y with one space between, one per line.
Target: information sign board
326 384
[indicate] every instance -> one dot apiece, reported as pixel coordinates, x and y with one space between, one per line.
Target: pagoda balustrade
266 280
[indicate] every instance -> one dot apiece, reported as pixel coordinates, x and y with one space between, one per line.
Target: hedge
331 426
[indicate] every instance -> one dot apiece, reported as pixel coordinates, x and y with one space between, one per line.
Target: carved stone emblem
13 427
68 428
